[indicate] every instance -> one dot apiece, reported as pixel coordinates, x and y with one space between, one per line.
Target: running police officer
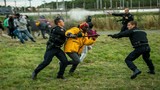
126 17
140 44
56 40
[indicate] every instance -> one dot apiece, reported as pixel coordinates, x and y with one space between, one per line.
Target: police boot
60 77
151 72
135 73
34 75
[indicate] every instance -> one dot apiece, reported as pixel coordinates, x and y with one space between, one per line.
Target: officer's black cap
57 19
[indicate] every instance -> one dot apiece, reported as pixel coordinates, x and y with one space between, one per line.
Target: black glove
110 35
113 36
79 34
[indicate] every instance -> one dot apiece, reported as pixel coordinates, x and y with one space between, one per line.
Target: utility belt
140 43
51 45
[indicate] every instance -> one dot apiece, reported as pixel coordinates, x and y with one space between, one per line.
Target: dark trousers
145 52
44 31
11 30
124 28
75 61
49 54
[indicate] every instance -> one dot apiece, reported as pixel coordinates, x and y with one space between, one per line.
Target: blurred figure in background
34 27
11 26
28 23
1 28
5 24
44 26
21 24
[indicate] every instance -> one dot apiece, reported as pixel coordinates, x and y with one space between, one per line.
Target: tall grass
145 21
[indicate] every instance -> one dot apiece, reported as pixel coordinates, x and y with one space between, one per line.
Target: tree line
102 4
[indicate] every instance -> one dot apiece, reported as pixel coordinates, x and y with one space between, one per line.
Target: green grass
104 67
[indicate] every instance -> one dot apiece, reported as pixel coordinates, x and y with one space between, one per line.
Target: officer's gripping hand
110 35
79 35
113 36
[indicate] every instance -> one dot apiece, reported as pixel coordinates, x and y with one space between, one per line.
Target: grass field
104 67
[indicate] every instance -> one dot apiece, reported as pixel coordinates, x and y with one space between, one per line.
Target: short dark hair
133 23
26 16
17 14
56 20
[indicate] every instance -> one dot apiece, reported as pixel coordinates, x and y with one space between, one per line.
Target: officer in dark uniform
126 17
54 44
140 44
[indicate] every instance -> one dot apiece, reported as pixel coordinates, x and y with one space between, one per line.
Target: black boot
135 73
151 72
34 75
60 77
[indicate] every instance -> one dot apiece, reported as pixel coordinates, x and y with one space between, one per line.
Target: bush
145 21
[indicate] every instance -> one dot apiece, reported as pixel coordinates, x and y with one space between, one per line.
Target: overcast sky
25 3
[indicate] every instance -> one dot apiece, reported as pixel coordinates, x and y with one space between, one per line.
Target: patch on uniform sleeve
62 29
53 29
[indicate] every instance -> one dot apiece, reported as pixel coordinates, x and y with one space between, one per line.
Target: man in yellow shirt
77 38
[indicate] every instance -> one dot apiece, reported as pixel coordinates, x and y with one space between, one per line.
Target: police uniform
124 20
140 44
56 40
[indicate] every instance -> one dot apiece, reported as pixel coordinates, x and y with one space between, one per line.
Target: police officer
126 17
140 44
54 44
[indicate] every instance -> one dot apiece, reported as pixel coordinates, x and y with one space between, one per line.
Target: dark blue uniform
56 40
139 41
124 20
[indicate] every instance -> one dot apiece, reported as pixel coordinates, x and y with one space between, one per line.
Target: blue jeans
18 34
26 32
22 35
